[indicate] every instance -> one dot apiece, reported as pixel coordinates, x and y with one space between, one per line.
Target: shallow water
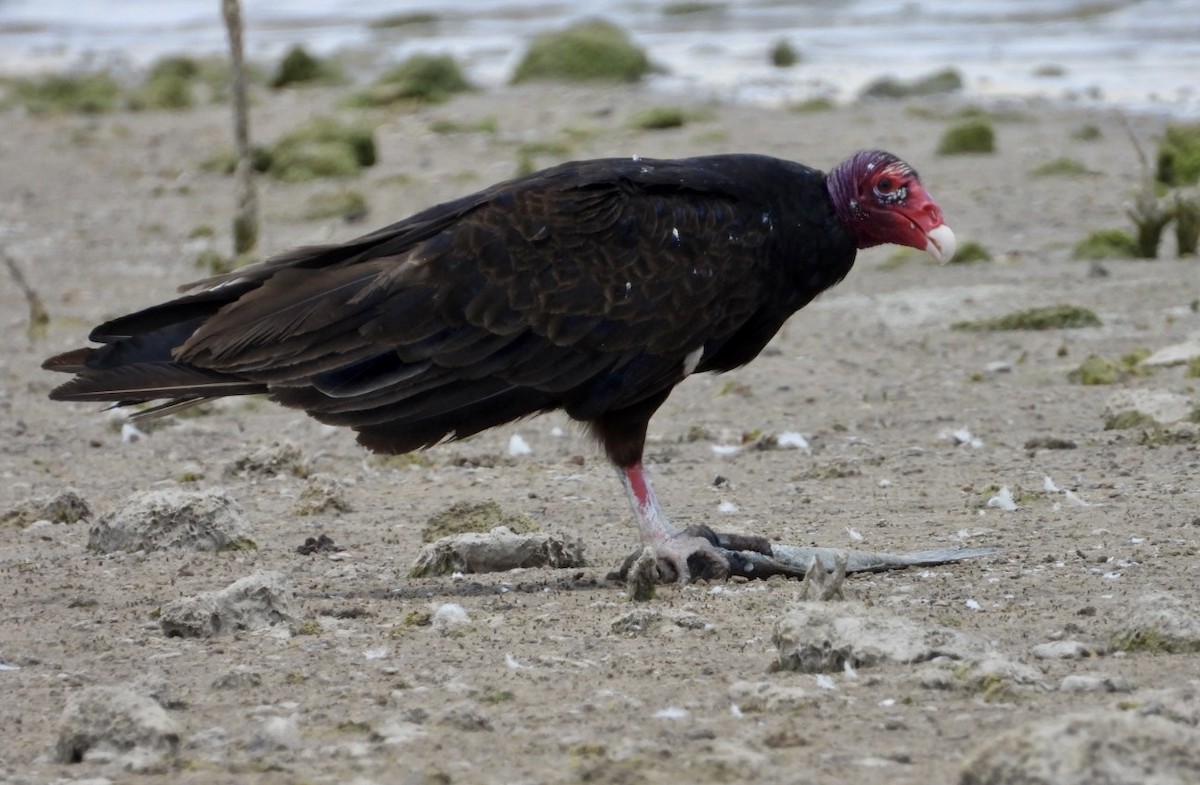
1138 55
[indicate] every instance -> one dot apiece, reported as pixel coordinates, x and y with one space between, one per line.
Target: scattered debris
171 519
517 446
1073 499
256 601
1003 499
962 436
1114 747
320 544
117 725
792 440
496 551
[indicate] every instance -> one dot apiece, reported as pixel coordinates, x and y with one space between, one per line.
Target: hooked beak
941 243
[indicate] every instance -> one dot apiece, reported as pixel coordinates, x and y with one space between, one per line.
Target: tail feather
141 382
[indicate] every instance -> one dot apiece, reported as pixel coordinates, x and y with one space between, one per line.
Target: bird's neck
841 186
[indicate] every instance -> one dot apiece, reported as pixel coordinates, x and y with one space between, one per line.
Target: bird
593 287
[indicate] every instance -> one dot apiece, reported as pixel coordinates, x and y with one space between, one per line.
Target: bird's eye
885 185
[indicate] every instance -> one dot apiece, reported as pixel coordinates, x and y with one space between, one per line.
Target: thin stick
39 317
245 220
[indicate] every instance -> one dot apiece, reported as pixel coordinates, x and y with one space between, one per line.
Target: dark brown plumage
594 287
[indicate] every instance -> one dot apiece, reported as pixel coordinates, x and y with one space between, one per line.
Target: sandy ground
538 687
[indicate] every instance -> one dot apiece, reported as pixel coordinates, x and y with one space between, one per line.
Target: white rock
1175 354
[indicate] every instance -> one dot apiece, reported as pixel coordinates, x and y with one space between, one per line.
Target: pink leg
657 532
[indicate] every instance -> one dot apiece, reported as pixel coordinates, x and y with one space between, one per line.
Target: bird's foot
696 553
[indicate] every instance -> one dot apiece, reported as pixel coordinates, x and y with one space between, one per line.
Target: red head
880 200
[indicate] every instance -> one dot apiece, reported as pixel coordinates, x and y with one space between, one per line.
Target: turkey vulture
593 287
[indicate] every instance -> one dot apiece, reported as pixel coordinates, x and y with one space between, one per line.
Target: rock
103 724
1066 650
1160 406
281 459
1094 682
322 494
993 677
1160 622
1107 747
1176 354
496 551
821 637
171 519
259 600
64 507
